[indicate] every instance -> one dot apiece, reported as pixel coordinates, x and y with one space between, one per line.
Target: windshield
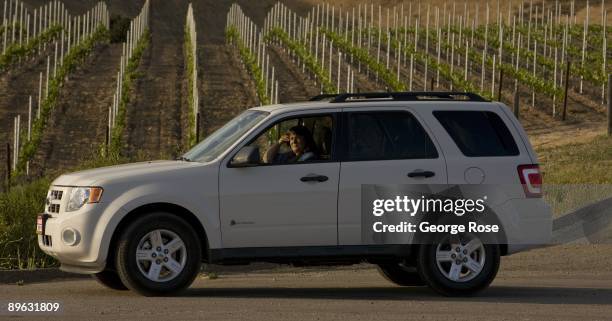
215 144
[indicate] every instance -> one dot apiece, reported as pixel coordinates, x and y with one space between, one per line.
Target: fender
204 208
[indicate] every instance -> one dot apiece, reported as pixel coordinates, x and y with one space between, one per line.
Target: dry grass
587 162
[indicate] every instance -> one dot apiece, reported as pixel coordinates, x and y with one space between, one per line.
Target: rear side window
387 135
478 133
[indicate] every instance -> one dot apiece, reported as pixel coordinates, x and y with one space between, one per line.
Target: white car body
268 206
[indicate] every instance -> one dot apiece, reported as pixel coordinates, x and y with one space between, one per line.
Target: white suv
285 184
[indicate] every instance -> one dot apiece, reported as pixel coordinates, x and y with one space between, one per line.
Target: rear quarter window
478 133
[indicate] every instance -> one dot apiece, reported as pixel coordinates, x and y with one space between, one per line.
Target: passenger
303 147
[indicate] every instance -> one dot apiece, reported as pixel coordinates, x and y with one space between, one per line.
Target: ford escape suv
285 184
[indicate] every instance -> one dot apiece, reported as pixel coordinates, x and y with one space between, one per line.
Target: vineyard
86 84
539 59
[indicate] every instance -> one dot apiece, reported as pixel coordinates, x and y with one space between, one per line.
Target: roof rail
402 96
322 97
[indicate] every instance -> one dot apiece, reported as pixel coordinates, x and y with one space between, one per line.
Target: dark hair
302 131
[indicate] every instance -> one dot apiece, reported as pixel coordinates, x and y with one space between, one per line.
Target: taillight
531 179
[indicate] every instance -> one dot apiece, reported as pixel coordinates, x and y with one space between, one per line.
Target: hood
96 176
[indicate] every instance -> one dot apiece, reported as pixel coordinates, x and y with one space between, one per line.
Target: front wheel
109 279
158 254
458 265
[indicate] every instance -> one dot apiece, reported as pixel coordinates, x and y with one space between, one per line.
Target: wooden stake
584 37
567 72
388 47
535 53
605 46
399 63
516 102
609 105
47 78
501 83
39 95
482 70
411 71
29 118
493 77
8 159
338 75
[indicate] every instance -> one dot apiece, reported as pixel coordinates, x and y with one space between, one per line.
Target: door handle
420 173
314 178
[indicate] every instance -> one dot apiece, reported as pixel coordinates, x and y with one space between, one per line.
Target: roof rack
322 97
402 96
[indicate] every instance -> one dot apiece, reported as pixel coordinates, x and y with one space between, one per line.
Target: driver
303 147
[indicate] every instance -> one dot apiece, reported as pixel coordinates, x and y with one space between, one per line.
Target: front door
290 197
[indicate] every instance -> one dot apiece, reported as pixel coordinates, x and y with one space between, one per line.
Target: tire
444 279
110 279
401 274
169 254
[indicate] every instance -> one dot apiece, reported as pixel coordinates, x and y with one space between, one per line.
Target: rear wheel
401 274
456 265
158 254
109 279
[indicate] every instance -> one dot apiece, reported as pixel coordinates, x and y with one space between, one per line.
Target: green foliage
18 240
594 39
7 28
523 76
18 210
72 60
591 71
250 61
362 55
130 75
190 64
309 60
456 76
15 52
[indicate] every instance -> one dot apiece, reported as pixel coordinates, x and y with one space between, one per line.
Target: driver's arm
271 153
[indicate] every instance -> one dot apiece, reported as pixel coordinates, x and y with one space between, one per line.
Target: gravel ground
548 284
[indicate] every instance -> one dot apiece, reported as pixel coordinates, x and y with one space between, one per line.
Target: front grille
46 240
54 201
53 208
56 195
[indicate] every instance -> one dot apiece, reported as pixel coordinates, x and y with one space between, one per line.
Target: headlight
83 195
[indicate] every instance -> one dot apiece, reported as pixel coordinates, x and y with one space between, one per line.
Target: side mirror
246 156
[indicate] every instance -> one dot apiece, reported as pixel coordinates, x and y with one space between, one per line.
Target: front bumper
82 256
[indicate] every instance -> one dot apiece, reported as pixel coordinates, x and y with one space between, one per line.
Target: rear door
382 146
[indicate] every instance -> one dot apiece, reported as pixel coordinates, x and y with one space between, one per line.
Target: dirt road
539 285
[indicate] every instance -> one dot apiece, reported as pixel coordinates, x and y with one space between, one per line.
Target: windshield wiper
183 158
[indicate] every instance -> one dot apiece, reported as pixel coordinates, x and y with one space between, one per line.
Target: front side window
224 137
296 140
387 136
